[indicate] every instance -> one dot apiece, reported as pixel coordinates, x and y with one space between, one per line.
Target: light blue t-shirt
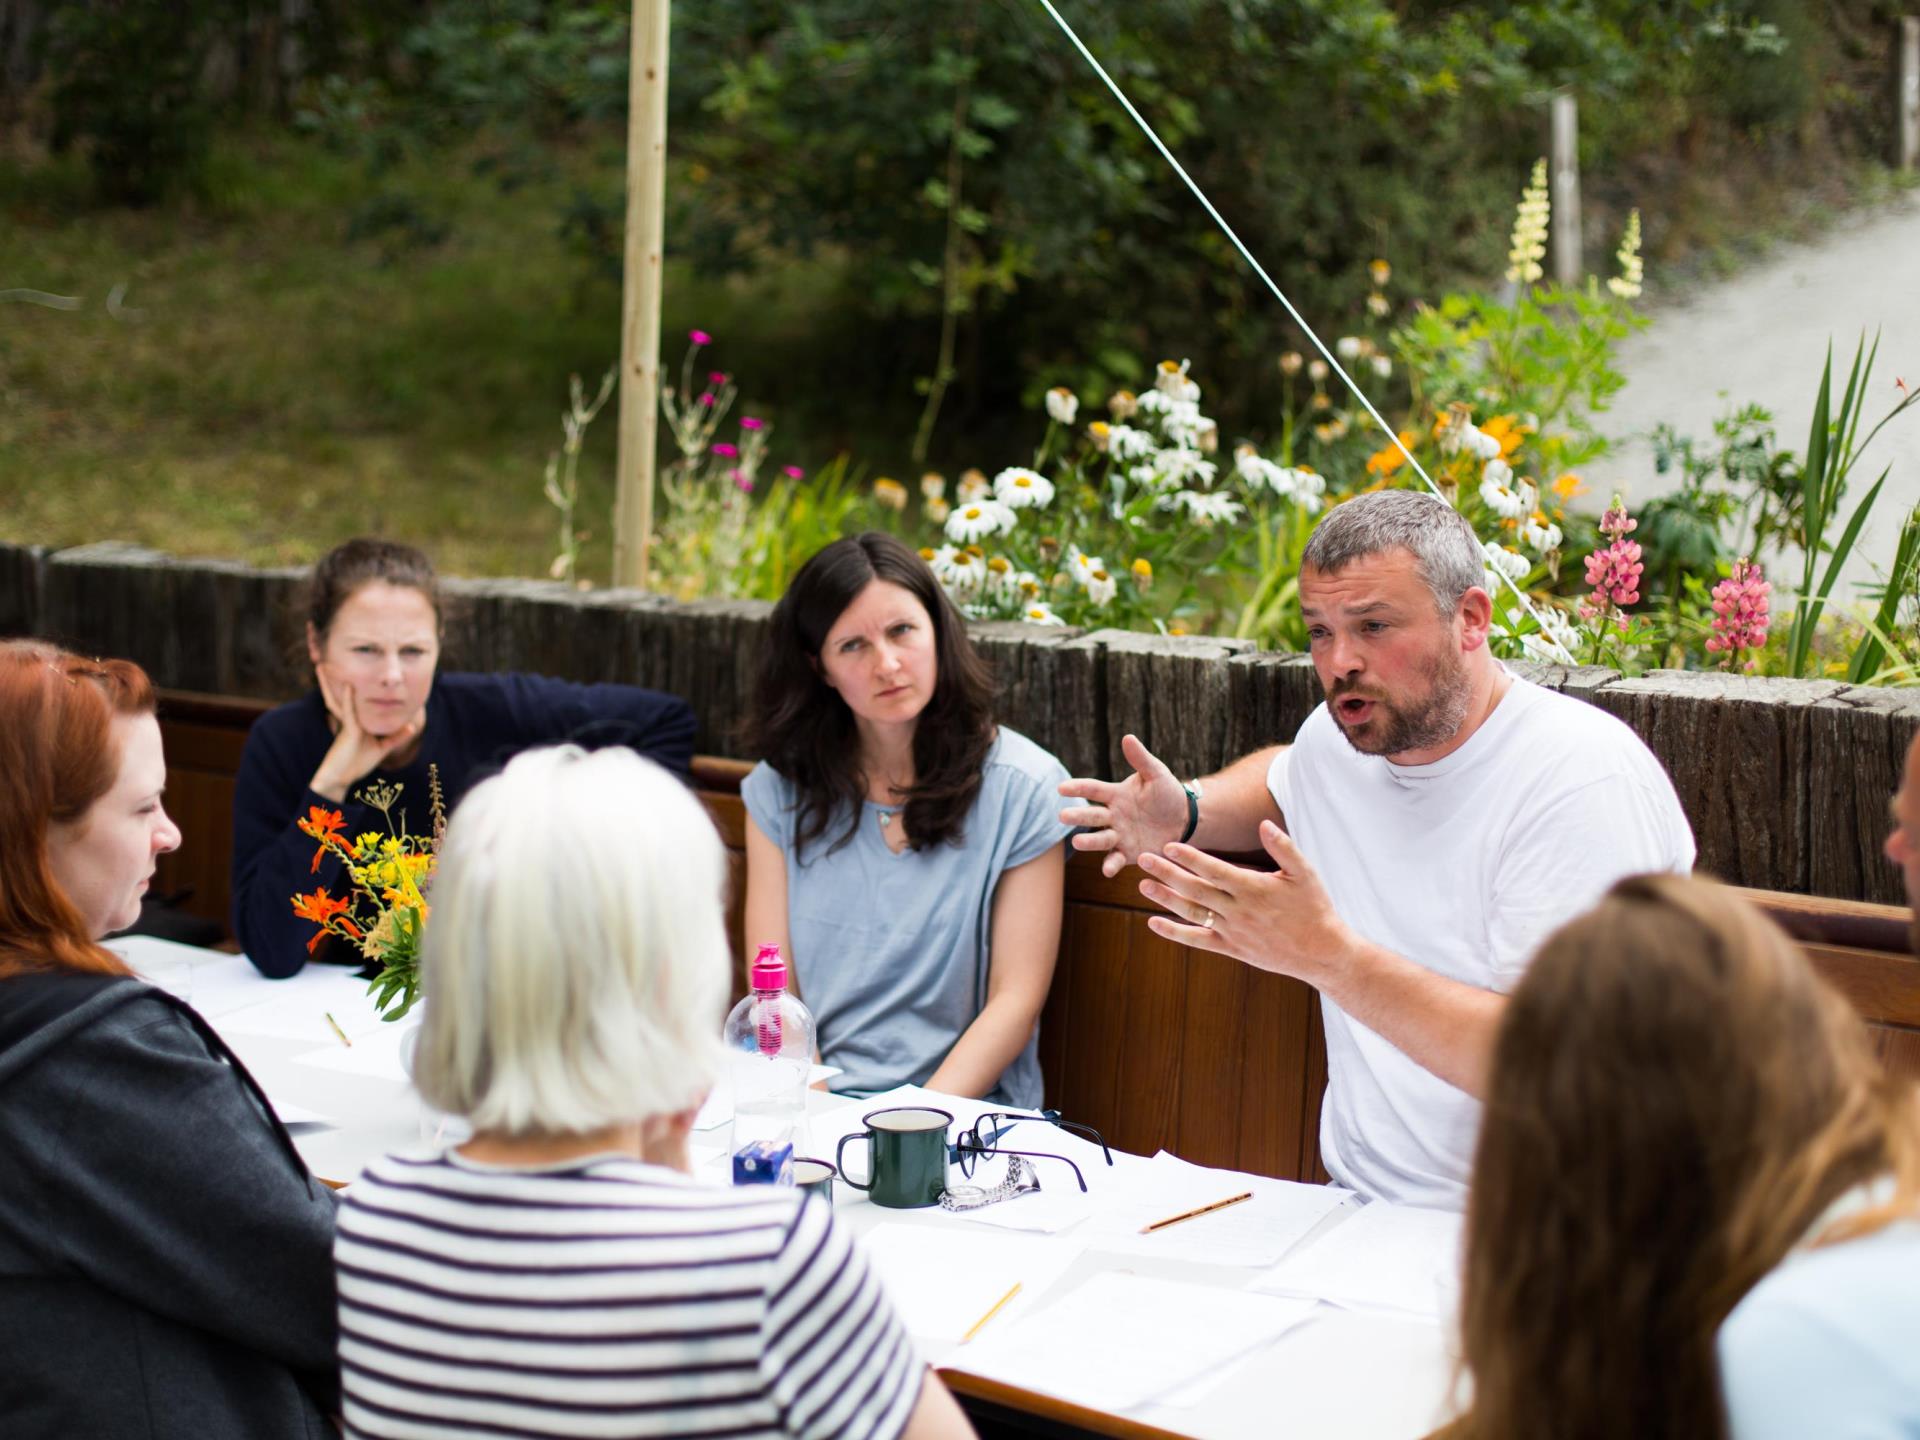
1827 1347
891 950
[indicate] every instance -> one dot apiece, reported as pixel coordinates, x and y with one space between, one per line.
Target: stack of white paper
1393 1259
1122 1341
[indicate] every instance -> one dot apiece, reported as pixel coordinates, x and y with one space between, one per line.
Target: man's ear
1476 618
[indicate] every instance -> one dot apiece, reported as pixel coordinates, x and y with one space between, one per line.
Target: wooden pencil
1191 1214
998 1305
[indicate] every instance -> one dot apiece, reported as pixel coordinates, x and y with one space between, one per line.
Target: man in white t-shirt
1433 820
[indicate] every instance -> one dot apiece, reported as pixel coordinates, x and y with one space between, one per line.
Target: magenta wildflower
725 450
751 422
742 479
794 472
699 337
707 399
717 378
1741 605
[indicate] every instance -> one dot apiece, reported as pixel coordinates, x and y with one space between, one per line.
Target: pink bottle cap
769 969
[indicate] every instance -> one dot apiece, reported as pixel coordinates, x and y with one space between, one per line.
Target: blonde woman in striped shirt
562 1274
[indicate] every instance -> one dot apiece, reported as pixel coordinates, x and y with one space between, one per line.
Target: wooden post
1564 187
640 317
1909 117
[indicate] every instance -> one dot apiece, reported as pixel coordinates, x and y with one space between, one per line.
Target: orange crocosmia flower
1385 461
323 825
1509 434
319 908
1568 486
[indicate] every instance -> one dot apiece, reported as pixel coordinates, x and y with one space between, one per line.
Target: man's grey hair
1443 544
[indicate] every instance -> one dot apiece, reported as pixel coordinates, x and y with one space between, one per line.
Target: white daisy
1040 613
979 519
942 563
973 486
1539 532
1062 404
1081 565
1495 489
1555 640
969 571
1503 560
1178 467
1172 380
1204 507
1126 443
1347 347
1022 489
1382 366
1154 402
1000 577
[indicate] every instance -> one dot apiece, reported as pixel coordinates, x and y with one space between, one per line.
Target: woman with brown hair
904 851
165 1266
1678 1107
382 715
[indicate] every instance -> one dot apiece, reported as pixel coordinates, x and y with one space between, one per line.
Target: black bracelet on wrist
1193 812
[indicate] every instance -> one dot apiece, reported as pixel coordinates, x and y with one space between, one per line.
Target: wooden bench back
1158 1046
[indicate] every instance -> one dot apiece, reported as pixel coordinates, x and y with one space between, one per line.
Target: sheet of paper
1060 1204
1121 1341
376 1054
942 1280
1253 1233
1393 1259
212 981
292 1115
298 1008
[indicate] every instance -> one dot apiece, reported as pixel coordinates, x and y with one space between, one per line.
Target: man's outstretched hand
1139 815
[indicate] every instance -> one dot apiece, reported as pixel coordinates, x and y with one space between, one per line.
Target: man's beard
1434 720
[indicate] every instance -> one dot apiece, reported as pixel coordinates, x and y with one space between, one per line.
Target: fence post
1909 94
1564 187
640 319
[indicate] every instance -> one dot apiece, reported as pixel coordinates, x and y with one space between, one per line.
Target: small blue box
763 1163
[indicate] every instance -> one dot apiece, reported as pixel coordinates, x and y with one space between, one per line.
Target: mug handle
840 1159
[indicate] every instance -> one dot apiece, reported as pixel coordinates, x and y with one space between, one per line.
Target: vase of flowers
384 912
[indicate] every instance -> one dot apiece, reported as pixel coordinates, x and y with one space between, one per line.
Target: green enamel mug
907 1149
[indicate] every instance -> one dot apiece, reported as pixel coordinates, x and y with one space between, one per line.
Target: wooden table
1344 1373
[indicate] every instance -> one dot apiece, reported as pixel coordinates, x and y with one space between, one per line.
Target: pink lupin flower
1613 572
699 337
726 451
1741 606
752 422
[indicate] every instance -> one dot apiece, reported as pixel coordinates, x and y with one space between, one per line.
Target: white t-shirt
1462 866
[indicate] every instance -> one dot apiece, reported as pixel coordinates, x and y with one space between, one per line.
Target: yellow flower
390 846
1508 432
1099 432
890 493
1142 574
366 844
926 553
1568 486
1380 272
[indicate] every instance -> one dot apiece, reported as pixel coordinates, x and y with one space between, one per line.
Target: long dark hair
802 727
1675 1099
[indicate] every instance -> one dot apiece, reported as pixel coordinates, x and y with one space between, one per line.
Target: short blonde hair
575 969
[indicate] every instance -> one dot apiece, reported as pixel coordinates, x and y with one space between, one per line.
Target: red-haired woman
165 1257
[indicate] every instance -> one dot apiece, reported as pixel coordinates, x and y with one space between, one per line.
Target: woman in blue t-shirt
379 713
1695 1207
903 850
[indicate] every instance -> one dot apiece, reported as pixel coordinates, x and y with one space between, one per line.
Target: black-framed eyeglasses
981 1141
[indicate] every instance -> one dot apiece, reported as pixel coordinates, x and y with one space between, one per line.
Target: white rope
1313 335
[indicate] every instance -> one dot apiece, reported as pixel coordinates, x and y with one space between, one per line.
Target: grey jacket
165 1257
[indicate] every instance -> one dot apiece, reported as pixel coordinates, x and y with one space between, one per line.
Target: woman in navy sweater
378 716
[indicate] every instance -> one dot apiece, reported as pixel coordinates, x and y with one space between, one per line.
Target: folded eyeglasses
980 1142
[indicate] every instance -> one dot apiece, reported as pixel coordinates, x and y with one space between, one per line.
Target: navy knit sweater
475 724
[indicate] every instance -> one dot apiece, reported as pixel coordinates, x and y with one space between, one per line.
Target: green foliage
127 87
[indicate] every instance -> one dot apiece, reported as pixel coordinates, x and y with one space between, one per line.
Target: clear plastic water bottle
769 1038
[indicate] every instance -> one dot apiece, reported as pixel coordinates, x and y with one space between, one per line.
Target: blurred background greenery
363 244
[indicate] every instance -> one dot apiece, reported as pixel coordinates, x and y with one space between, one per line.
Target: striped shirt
606 1298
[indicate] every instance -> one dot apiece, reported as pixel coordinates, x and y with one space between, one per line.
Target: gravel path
1760 336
